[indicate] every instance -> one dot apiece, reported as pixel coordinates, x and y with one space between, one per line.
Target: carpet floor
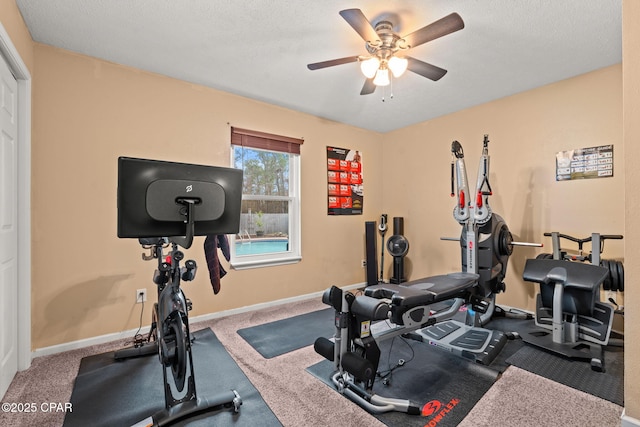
297 398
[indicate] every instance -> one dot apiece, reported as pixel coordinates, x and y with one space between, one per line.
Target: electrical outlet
364 262
141 296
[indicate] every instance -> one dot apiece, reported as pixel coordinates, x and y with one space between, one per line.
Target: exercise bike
424 309
158 197
170 337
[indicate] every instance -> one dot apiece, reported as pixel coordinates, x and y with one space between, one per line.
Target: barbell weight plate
606 284
614 275
620 276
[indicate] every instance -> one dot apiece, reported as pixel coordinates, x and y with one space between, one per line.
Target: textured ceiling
260 48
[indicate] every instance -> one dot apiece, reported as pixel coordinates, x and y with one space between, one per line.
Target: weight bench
429 305
408 307
417 294
574 322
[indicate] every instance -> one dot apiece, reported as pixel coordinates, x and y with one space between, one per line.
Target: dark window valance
265 141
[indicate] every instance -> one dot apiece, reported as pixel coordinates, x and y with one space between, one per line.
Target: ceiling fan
387 49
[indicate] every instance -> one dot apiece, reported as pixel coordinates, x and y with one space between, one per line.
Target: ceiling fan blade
361 24
368 87
447 25
331 63
426 70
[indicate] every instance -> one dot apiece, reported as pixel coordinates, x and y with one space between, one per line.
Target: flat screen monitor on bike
166 199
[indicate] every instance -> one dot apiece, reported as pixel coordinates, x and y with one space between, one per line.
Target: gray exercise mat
573 373
111 393
608 385
282 336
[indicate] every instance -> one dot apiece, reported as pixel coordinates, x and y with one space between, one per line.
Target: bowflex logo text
440 411
431 408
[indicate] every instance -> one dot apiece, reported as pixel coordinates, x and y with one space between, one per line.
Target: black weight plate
613 270
543 256
606 284
620 276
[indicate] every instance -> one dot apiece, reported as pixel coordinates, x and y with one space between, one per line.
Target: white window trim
294 254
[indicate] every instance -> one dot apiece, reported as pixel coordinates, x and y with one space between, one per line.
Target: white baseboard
102 339
627 421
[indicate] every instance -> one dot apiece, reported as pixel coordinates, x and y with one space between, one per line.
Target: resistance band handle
453 178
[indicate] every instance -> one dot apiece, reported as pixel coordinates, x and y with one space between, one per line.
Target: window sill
272 262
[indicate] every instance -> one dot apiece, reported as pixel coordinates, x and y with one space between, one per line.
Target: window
270 217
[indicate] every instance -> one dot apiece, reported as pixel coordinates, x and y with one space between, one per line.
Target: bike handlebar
586 239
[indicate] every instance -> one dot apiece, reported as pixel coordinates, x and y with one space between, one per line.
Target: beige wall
14 25
631 132
88 112
525 132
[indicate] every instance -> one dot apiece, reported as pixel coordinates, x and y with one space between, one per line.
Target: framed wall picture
344 181
584 163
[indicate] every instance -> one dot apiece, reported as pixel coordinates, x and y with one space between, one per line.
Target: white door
8 227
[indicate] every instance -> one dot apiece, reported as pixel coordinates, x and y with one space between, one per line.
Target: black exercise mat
282 336
111 393
446 384
608 385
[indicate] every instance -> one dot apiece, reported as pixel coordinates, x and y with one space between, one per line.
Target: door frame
23 77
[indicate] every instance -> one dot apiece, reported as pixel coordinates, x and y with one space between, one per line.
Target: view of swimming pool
255 247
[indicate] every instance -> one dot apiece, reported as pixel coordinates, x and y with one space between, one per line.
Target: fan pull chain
384 89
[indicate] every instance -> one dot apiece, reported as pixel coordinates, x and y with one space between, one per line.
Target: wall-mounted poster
344 181
583 163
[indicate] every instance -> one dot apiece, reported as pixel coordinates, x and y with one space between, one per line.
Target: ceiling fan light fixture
370 66
382 77
397 65
382 44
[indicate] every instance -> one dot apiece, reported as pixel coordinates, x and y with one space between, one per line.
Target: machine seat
424 291
581 283
570 274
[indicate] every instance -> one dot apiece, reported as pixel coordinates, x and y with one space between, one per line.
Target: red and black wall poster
344 181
